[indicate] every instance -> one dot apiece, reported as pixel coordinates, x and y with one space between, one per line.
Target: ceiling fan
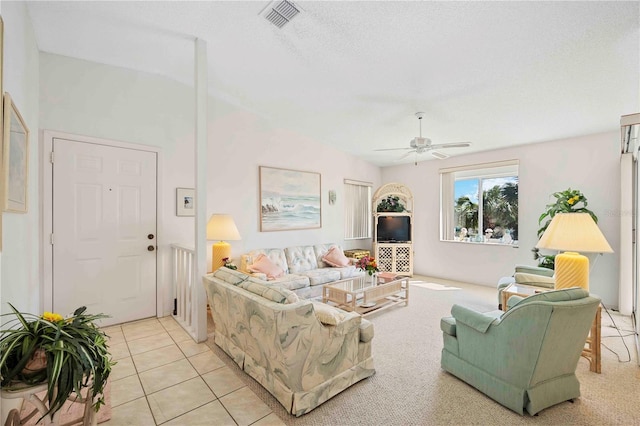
420 145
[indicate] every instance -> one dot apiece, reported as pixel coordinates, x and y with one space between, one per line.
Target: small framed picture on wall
185 202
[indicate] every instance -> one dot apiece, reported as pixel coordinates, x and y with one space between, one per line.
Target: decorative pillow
264 265
326 314
336 258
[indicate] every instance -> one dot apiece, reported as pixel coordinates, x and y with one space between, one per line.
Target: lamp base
572 270
219 251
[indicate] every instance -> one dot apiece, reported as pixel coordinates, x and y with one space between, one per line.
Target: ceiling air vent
279 13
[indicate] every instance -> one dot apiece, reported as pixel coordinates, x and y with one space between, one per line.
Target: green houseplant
391 203
68 354
567 201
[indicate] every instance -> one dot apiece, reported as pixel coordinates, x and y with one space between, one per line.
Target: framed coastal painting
1 117
15 159
185 202
289 199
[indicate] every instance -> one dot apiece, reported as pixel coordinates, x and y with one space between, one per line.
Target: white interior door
104 230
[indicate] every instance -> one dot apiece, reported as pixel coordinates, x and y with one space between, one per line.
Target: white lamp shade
574 232
221 227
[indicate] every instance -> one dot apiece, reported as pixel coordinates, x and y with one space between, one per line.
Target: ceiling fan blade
451 145
439 155
406 155
391 149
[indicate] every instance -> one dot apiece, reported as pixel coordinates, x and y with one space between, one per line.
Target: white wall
19 260
92 99
588 163
241 142
87 98
20 281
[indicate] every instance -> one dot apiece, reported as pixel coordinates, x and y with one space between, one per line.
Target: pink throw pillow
264 265
335 257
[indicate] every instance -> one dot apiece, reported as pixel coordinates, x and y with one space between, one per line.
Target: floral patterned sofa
304 269
303 352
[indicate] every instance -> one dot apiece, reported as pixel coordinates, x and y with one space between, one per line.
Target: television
395 229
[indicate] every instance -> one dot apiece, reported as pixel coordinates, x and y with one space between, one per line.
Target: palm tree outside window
482 203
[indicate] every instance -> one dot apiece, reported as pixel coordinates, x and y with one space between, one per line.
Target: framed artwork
15 159
1 117
185 202
289 199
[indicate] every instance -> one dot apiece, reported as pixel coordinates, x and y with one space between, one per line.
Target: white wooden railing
184 285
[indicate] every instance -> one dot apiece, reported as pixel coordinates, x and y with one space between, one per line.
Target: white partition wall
629 296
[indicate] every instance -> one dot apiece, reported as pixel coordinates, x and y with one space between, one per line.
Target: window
480 203
357 214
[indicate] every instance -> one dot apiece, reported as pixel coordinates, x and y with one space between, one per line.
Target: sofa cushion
230 276
321 276
326 314
301 259
271 292
348 271
336 258
264 265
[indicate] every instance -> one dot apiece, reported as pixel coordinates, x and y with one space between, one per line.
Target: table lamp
221 227
573 232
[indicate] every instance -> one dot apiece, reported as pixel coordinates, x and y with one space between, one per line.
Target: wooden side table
592 350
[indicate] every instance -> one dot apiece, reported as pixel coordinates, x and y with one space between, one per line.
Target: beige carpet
409 388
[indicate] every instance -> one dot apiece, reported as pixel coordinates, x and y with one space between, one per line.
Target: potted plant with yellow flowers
69 354
567 201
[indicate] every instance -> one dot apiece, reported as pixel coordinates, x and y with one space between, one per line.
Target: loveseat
303 352
304 271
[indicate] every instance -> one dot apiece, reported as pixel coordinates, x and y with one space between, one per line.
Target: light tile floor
163 377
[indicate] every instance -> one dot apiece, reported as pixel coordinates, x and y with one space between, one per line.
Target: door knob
150 236
151 248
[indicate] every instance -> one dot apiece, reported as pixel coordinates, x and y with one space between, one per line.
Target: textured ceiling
352 74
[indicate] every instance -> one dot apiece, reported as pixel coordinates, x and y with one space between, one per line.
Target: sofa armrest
448 326
513 301
476 320
538 270
366 331
350 323
535 280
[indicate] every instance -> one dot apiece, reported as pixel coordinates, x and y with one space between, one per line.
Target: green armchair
524 358
527 275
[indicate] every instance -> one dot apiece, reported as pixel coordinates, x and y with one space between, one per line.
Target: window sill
476 243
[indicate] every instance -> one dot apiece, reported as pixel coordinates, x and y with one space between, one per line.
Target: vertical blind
357 214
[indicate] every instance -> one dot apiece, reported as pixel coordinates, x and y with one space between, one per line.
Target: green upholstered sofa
524 358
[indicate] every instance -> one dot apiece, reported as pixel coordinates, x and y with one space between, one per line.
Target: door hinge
51 239
51 157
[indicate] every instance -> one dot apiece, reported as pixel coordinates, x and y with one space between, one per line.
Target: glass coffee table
360 294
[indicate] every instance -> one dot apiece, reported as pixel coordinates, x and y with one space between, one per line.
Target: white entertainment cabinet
394 257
